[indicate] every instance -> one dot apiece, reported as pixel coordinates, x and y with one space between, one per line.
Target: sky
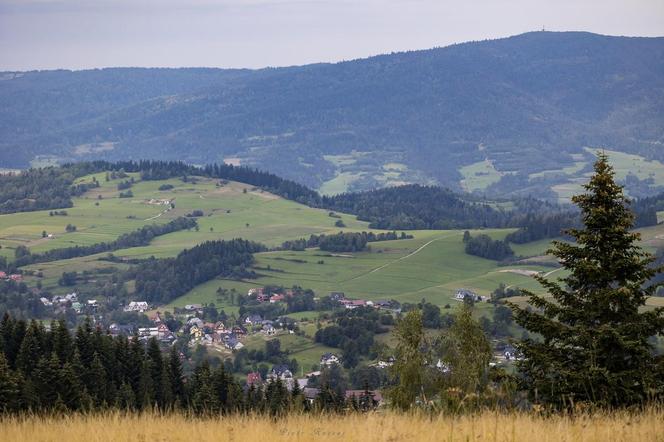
82 34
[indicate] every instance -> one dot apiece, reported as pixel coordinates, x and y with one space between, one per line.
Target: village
229 335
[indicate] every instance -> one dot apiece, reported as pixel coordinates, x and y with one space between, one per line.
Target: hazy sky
77 34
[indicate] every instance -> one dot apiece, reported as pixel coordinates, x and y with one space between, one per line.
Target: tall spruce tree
594 345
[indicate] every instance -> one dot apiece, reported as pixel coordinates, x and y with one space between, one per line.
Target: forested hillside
482 116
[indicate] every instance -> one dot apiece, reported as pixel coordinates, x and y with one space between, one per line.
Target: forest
162 280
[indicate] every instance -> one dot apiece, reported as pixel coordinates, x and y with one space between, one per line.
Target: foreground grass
647 426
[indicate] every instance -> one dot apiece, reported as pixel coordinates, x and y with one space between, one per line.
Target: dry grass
647 426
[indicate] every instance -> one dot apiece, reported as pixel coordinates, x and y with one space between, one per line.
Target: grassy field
432 266
479 176
234 210
647 426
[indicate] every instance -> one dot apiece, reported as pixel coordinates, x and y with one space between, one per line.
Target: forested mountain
513 102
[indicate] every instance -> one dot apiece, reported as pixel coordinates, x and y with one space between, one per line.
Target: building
329 359
253 320
254 379
136 306
276 298
462 294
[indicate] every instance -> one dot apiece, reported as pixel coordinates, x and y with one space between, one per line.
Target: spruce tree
593 344
176 376
30 350
8 387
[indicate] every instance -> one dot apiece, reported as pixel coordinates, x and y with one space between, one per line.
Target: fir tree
594 344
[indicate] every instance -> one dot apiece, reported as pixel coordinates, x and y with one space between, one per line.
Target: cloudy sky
78 34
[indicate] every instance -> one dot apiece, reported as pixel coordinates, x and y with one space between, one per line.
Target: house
220 328
310 394
256 291
280 372
283 373
71 297
3 275
512 354
77 306
92 303
116 330
16 277
136 306
163 330
337 296
370 401
276 298
254 379
350 305
269 330
253 320
146 332
191 307
46 302
382 304
462 294
329 359
195 321
232 342
239 330
195 332
207 339
384 364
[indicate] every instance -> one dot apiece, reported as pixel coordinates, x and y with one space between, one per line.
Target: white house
329 359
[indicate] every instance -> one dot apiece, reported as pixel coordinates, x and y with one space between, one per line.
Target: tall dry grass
646 426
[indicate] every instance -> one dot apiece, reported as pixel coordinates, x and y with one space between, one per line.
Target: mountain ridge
418 116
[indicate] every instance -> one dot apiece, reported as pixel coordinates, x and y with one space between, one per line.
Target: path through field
418 250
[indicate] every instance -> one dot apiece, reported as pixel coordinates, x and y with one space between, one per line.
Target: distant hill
508 116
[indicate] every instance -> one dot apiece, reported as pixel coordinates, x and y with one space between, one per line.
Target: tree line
342 241
485 247
406 207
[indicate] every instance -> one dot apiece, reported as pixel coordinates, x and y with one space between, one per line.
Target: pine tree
594 334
